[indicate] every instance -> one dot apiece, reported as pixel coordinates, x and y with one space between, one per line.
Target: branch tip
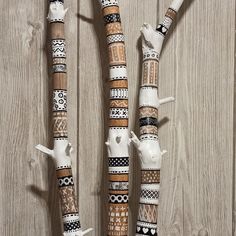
45 150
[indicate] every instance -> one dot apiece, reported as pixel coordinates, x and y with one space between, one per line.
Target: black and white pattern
58 48
59 100
119 185
146 224
62 166
118 170
111 18
118 198
59 68
148 137
149 196
148 193
141 230
107 3
118 161
68 217
118 78
119 93
151 55
72 226
115 38
119 113
162 29
61 1
65 181
148 121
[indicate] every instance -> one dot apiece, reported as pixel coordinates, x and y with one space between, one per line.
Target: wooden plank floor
197 67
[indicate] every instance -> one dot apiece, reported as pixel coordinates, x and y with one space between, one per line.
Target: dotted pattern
59 100
115 38
72 226
107 3
147 193
111 18
119 161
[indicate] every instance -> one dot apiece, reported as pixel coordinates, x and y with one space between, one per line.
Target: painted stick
62 148
118 137
148 145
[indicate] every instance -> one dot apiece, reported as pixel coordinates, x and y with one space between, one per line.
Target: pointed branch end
167 100
134 139
45 150
163 152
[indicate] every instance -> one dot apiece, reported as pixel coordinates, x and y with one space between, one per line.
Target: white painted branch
148 146
149 152
56 11
118 136
62 148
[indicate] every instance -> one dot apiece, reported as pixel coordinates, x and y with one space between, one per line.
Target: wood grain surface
196 67
29 201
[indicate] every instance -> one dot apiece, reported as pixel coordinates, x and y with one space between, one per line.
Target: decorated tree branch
118 137
148 145
62 148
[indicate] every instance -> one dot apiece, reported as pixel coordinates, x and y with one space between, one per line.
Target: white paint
149 200
154 187
148 96
176 4
152 40
117 72
60 153
116 169
56 11
149 152
117 143
61 156
79 233
106 3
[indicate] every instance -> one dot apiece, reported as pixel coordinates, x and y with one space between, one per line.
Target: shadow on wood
50 197
99 33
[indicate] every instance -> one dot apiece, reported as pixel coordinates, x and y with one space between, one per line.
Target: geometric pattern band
118 165
59 100
111 18
58 48
72 226
148 121
119 161
65 181
119 113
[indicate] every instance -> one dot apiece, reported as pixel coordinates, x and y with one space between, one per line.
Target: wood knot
202 232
